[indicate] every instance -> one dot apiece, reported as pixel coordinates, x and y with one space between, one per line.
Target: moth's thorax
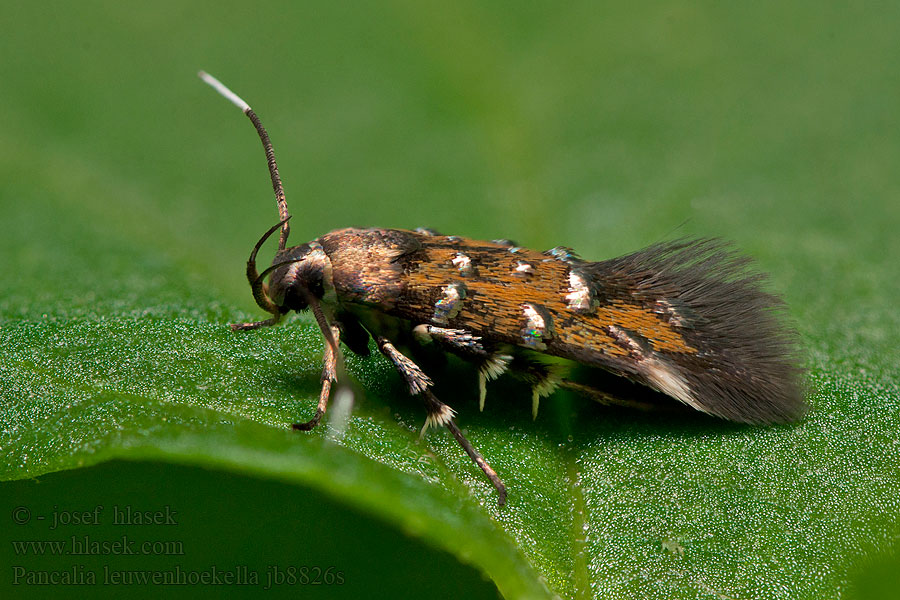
366 264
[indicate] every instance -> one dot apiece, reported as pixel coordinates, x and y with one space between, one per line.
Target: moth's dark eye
308 281
315 286
291 284
295 299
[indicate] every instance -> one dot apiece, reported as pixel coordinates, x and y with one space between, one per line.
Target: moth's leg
543 378
608 399
477 459
414 377
353 334
491 364
329 376
255 324
438 412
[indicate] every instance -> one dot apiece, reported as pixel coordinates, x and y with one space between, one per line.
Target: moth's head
298 277
299 272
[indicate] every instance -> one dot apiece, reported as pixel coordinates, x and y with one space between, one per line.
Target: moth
686 321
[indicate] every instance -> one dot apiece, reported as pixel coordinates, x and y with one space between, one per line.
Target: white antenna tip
222 89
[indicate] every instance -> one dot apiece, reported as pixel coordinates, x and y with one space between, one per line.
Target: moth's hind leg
476 457
543 377
438 413
653 401
491 363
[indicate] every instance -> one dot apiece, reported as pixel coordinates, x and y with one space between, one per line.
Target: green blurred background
130 195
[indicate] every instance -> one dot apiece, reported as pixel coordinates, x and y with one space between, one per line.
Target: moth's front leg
438 412
329 376
255 324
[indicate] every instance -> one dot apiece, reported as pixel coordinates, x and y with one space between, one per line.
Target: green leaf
130 196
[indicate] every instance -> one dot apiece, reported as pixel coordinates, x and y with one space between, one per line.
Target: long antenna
267 146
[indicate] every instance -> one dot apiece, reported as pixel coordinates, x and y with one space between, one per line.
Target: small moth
686 320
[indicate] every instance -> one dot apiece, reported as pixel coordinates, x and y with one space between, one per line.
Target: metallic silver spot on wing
538 326
450 303
580 296
463 263
523 270
426 231
564 254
